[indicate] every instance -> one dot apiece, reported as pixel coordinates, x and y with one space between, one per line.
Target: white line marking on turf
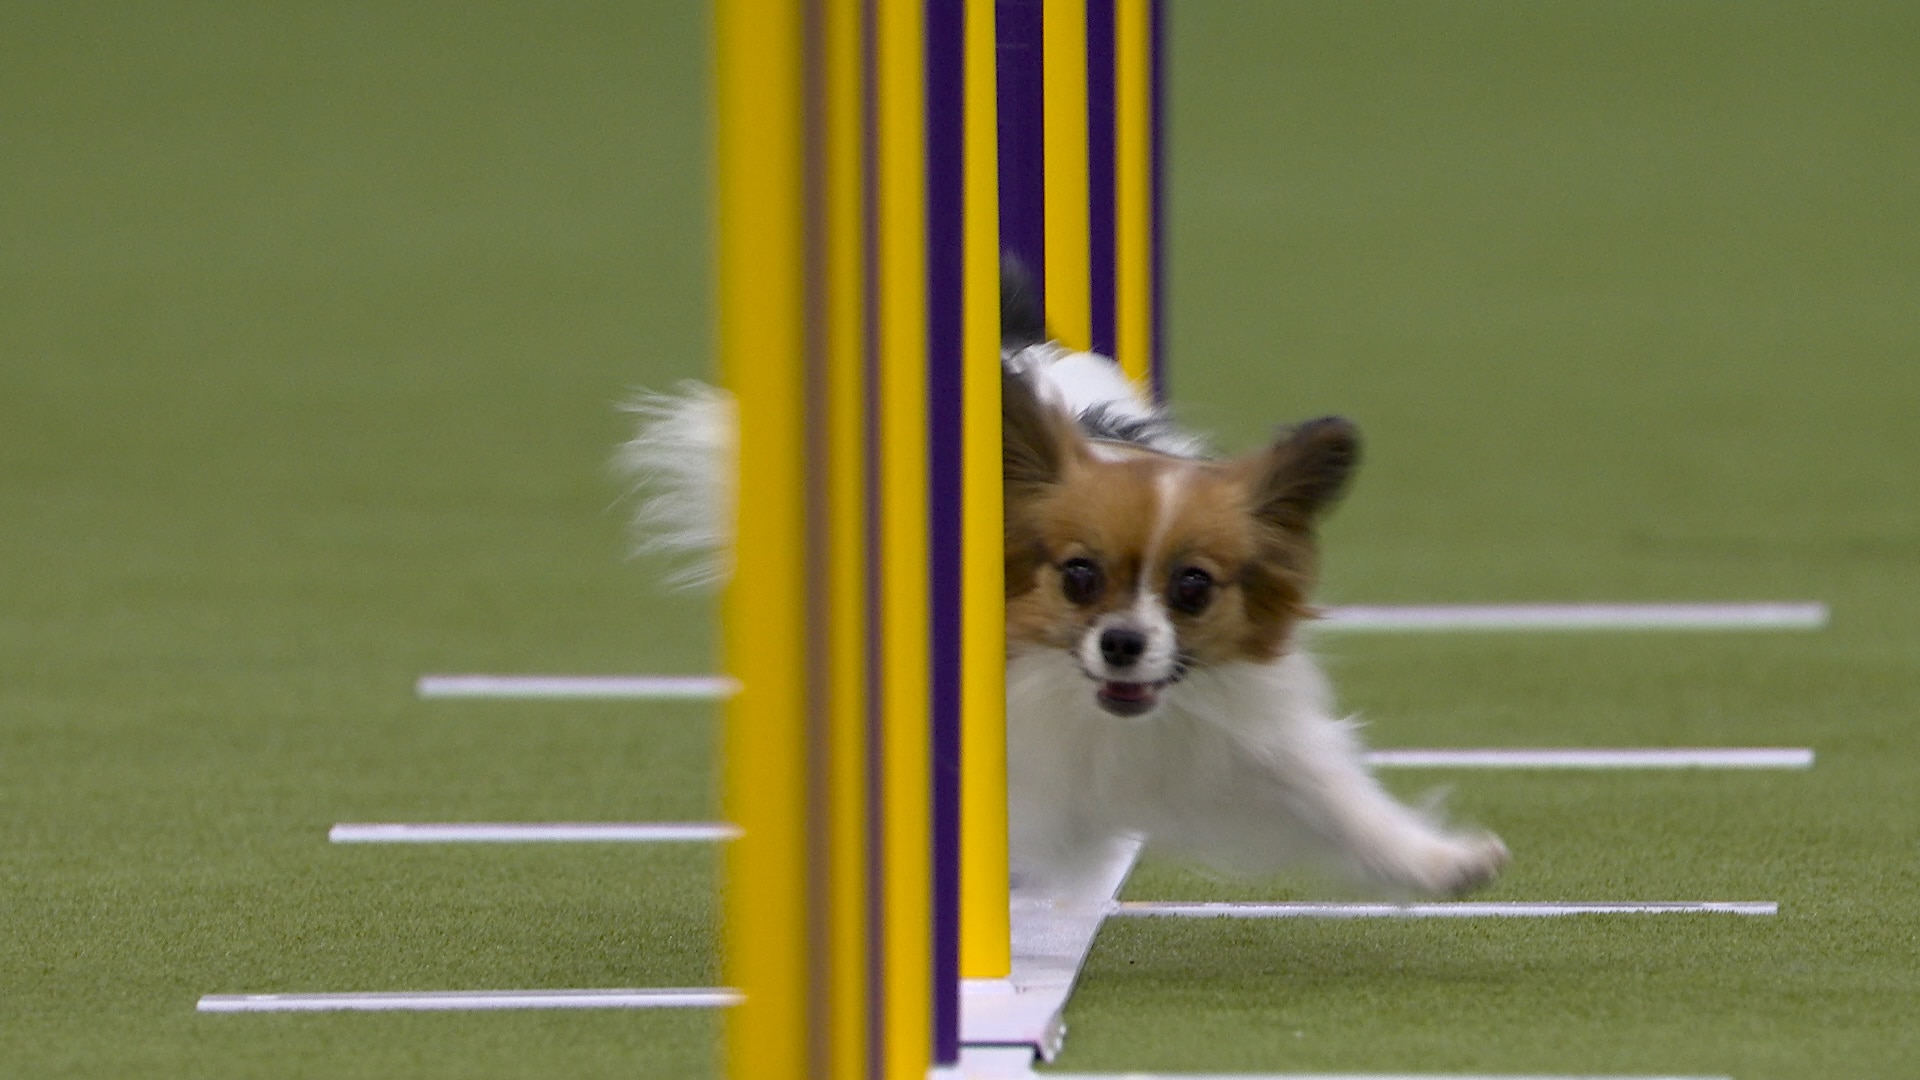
534 833
470 1001
1324 1076
1726 757
1463 909
1433 617
1358 618
653 687
1331 1076
1460 617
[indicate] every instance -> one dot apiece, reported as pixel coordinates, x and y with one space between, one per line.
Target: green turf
1622 296
311 321
314 320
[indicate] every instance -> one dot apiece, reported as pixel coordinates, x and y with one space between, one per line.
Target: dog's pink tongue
1127 698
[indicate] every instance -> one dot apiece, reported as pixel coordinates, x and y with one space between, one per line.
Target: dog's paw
1465 864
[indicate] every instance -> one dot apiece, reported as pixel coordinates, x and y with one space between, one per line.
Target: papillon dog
1157 689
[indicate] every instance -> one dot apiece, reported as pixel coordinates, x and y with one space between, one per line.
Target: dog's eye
1192 591
1081 581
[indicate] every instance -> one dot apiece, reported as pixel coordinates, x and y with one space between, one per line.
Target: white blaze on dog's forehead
1149 610
1147 615
1169 492
1151 616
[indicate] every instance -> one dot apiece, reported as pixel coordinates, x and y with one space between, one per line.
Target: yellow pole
842 559
828 891
1069 272
1133 188
761 260
985 933
906 751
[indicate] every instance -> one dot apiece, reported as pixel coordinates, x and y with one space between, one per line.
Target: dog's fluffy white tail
680 469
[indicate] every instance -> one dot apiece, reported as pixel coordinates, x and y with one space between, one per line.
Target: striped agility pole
860 229
1073 89
1066 88
823 334
1081 177
840 283
1070 92
769 952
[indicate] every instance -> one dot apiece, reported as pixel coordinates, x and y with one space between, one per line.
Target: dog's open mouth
1123 698
1128 698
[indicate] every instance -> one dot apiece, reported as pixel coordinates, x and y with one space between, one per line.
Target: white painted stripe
1355 617
1725 757
470 1001
1332 1076
1459 617
534 833
652 687
1459 909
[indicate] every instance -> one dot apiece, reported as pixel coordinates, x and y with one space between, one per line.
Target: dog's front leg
1374 837
1303 794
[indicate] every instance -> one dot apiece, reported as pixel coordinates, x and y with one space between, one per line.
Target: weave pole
823 343
769 950
860 231
1073 91
1070 91
985 930
901 678
1081 176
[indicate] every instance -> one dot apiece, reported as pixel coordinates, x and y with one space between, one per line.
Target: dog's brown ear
1037 441
1306 471
1035 438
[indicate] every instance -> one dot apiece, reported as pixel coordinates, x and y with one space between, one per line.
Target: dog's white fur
1244 765
681 467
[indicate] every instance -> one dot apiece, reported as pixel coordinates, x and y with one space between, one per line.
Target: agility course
1611 341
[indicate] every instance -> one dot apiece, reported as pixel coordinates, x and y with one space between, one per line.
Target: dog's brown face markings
1225 548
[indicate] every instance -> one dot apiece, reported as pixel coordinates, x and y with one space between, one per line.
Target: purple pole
1019 69
1102 208
946 223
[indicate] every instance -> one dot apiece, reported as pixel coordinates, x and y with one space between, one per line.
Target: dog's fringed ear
1035 438
1307 471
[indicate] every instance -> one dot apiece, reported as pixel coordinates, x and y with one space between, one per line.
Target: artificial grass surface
313 324
1622 297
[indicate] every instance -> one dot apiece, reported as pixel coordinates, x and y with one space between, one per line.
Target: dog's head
1143 566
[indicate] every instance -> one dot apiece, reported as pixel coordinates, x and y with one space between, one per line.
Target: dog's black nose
1122 645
